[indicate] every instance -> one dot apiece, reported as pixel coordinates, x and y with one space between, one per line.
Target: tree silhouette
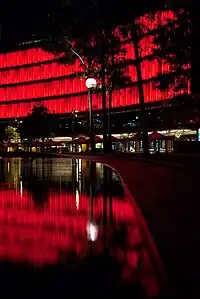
99 46
99 52
2 133
40 123
177 44
173 46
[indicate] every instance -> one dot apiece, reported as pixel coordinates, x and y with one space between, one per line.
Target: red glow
57 204
150 22
24 57
38 55
37 236
63 87
150 69
123 97
40 90
38 72
28 232
146 45
54 70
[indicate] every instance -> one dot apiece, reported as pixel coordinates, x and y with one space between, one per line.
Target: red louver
50 142
157 136
97 139
114 139
36 143
137 137
81 140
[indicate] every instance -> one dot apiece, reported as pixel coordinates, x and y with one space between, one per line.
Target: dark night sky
19 19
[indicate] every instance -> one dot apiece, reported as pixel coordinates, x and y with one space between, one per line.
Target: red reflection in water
39 235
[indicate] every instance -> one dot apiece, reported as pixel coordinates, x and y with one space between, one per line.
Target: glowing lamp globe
91 83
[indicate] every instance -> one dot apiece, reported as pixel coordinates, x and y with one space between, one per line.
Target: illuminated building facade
32 76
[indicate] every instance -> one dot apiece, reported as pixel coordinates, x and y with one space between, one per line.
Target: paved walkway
170 202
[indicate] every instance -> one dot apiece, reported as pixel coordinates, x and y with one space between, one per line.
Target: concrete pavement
170 202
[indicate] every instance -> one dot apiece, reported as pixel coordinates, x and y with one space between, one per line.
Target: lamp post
90 84
92 228
74 115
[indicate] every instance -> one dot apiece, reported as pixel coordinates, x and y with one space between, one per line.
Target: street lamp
90 84
74 115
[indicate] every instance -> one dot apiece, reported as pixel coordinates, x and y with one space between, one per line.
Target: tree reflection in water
48 247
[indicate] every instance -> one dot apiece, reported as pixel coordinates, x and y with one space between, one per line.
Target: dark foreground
169 200
46 248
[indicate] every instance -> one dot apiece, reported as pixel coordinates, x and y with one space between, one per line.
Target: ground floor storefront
159 142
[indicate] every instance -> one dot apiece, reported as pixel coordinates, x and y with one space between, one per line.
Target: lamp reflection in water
92 231
77 199
38 236
21 186
78 183
92 228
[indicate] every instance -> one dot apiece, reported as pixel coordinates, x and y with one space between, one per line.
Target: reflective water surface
68 229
